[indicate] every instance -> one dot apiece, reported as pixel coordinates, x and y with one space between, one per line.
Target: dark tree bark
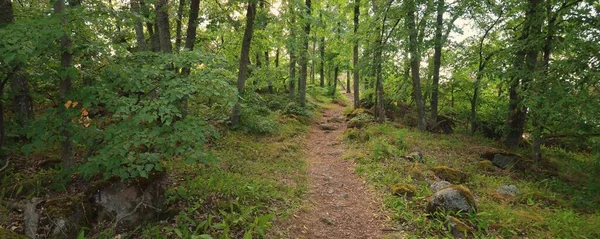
19 83
348 82
437 62
139 28
244 58
292 81
162 23
277 58
303 58
355 56
151 28
312 62
322 53
335 80
178 26
525 63
190 35
415 63
66 62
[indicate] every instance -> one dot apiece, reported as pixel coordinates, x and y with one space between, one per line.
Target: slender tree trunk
322 69
244 59
190 41
322 53
348 81
437 62
312 62
139 28
525 62
292 81
303 57
190 36
65 86
150 27
415 63
277 58
355 56
162 22
178 27
335 77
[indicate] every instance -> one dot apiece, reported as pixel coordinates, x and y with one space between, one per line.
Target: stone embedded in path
327 127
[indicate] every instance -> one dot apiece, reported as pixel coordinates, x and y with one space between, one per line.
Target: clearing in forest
338 203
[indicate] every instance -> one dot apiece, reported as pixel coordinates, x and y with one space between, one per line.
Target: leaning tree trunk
303 57
162 23
244 59
437 62
355 55
348 81
415 63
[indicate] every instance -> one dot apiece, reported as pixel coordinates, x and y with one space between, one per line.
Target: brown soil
339 204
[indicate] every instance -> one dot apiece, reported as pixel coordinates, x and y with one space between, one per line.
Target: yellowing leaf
68 104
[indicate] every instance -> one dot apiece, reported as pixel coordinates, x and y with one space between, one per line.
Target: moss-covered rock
450 174
453 198
360 120
458 228
404 190
485 166
8 234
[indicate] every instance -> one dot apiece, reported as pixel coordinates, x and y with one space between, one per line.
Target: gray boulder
508 190
453 198
437 185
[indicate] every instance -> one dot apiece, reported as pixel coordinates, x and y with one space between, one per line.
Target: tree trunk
154 41
437 62
303 57
312 62
178 28
277 58
190 36
162 23
65 86
335 77
322 70
139 28
244 59
415 63
525 63
355 56
292 81
19 83
348 81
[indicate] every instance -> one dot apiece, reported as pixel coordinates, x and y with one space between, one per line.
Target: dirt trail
338 204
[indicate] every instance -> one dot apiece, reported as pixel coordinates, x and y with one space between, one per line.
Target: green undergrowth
255 179
561 204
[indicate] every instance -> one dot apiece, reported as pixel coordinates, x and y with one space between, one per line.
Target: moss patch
450 174
485 166
404 190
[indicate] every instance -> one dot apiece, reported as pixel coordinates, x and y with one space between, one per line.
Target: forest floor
338 204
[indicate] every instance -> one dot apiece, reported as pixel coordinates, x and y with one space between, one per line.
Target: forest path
338 204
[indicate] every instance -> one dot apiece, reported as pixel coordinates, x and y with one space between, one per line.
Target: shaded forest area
186 119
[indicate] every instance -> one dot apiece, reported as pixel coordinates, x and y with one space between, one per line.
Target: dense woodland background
104 89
